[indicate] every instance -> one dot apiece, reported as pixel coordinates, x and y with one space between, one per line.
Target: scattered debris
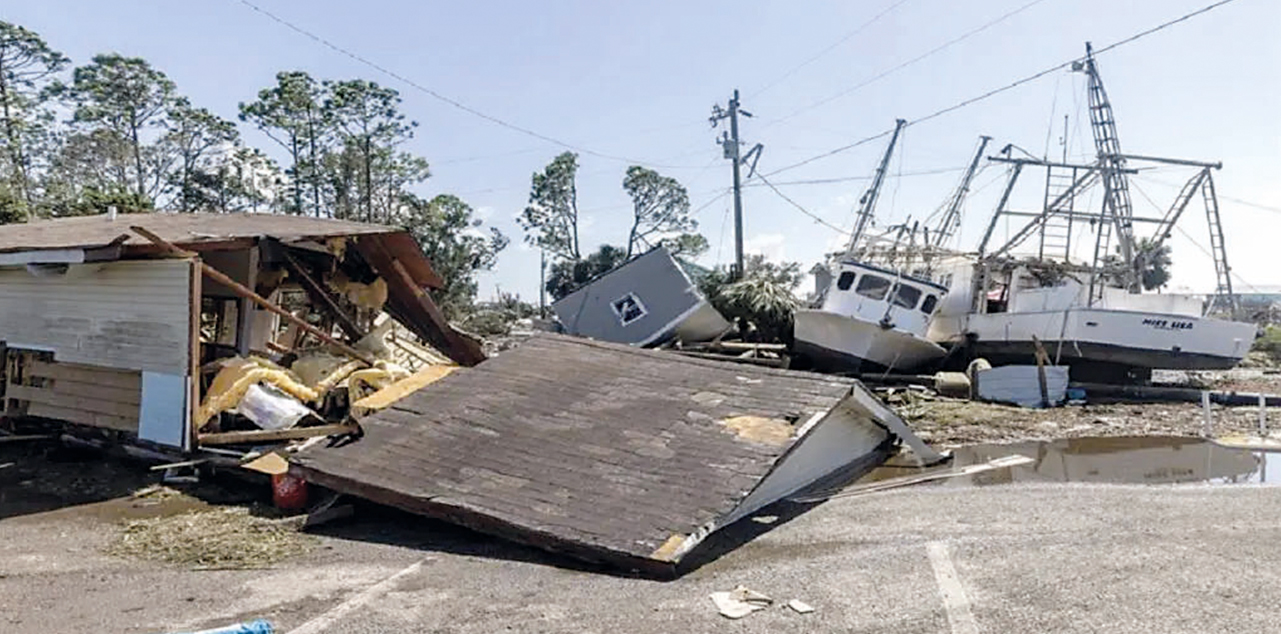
253 627
800 607
740 602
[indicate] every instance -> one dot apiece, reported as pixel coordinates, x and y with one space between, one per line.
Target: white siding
128 315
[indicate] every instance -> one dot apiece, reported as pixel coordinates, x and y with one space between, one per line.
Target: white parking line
359 600
955 602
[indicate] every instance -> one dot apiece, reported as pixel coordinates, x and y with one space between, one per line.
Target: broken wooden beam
320 296
275 435
242 291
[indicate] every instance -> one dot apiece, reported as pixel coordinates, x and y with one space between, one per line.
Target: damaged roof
199 231
599 450
183 229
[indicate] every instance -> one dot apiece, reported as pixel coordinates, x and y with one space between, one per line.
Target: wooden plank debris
277 435
240 290
321 297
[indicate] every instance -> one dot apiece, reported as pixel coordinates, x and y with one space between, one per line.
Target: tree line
117 132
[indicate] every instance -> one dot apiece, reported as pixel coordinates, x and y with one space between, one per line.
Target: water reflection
1122 460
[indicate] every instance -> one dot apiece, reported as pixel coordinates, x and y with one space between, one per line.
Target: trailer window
873 286
930 303
628 308
845 281
906 296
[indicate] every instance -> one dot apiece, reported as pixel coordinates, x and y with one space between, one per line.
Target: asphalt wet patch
1114 460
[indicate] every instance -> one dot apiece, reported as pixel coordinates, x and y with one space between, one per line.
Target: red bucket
288 492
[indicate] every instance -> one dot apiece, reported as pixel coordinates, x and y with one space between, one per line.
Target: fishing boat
1090 311
868 317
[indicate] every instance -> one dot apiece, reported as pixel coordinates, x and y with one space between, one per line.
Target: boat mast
1116 188
867 204
952 217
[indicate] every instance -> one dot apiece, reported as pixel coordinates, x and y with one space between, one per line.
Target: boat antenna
867 204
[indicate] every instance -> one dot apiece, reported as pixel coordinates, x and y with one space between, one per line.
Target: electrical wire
798 206
845 38
1012 85
964 36
446 99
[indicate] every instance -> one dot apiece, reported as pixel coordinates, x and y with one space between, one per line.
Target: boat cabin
882 296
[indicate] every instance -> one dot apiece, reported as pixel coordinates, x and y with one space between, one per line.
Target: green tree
367 121
763 299
291 114
195 134
89 169
550 220
660 206
566 276
1154 262
244 180
686 246
128 97
27 65
457 244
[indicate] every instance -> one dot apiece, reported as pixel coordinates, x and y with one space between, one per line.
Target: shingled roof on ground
607 452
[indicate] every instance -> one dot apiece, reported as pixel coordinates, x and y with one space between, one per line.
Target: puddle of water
1118 460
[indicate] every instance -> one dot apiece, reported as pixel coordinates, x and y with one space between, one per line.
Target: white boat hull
841 342
1120 337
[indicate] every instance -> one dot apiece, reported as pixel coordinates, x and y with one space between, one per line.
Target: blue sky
636 81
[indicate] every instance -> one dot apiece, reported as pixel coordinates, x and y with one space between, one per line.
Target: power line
846 179
964 36
446 99
1007 87
845 38
798 206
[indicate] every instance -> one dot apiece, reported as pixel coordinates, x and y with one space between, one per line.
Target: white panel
844 435
128 315
163 416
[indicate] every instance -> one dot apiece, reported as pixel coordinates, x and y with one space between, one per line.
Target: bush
1269 343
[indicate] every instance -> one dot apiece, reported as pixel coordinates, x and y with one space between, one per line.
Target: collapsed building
124 323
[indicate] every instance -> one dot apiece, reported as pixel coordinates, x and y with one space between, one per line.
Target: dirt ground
949 422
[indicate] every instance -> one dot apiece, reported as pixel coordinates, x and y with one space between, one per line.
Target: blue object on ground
253 627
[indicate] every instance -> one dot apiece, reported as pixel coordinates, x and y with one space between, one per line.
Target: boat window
845 280
906 296
931 301
873 286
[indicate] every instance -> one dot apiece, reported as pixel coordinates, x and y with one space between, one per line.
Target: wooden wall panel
131 315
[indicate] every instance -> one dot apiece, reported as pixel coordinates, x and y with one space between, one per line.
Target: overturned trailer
646 301
116 322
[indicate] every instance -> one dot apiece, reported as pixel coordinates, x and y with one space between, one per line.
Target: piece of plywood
400 389
270 463
163 415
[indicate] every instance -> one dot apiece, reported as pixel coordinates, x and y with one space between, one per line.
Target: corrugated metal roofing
601 450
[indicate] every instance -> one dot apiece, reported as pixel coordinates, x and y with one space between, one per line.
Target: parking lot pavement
1028 558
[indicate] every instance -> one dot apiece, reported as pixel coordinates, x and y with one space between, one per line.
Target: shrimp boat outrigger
869 317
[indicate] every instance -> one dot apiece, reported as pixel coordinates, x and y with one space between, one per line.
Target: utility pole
732 147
